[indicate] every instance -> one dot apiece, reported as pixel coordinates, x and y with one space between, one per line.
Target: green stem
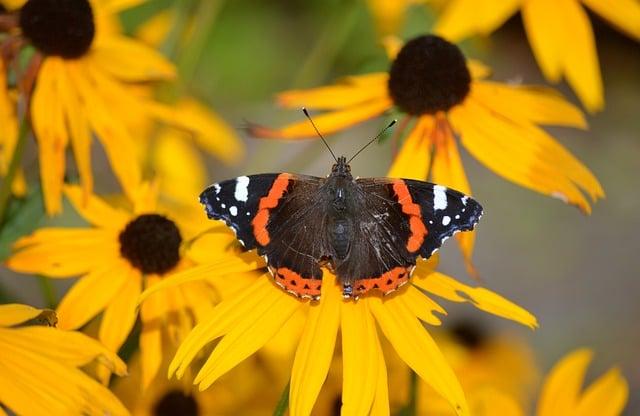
14 164
283 403
48 292
334 36
172 41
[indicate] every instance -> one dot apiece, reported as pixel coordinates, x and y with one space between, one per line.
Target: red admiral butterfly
368 231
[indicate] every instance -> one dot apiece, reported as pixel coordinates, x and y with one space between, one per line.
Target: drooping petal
623 14
561 388
416 347
327 123
547 40
63 252
151 315
14 314
130 60
463 18
249 334
360 358
380 405
607 396
422 306
91 294
314 353
50 131
484 299
414 158
121 313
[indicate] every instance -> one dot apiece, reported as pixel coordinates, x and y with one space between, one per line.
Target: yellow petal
91 294
221 320
547 36
327 123
477 69
484 299
607 396
561 389
388 15
414 158
380 405
249 334
121 313
95 211
150 349
63 252
130 60
416 348
231 265
463 18
538 105
422 306
581 66
360 358
314 353
623 14
334 97
14 314
50 131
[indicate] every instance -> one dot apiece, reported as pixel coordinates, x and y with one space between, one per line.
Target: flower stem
48 292
283 403
14 164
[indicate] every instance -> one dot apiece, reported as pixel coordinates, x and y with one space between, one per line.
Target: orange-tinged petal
561 389
14 314
121 313
533 104
463 18
327 123
334 97
622 14
130 60
220 321
581 65
48 117
414 158
249 334
95 211
449 288
360 358
607 396
63 252
547 35
315 350
416 347
91 294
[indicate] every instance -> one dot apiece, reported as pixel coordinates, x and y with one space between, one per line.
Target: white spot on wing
217 188
439 197
464 200
223 206
446 220
242 189
233 210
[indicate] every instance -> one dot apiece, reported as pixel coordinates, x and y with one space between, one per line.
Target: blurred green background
577 274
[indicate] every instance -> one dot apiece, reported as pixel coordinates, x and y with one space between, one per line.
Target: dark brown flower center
429 75
151 243
176 402
469 334
58 27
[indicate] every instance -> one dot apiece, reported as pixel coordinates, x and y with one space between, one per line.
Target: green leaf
23 217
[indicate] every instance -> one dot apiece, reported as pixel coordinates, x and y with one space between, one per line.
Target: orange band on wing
386 283
260 221
294 283
416 225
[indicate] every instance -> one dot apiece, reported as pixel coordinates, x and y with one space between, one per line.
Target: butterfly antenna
306 113
373 140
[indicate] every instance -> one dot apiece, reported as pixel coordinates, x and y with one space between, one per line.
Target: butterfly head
341 168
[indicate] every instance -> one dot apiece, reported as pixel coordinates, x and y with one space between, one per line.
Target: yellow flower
562 389
447 98
122 253
8 132
246 320
39 370
81 89
559 32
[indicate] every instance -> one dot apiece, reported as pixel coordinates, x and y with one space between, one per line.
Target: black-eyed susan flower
40 367
562 391
119 255
448 99
559 32
81 73
245 321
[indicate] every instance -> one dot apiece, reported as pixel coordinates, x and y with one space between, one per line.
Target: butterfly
369 232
